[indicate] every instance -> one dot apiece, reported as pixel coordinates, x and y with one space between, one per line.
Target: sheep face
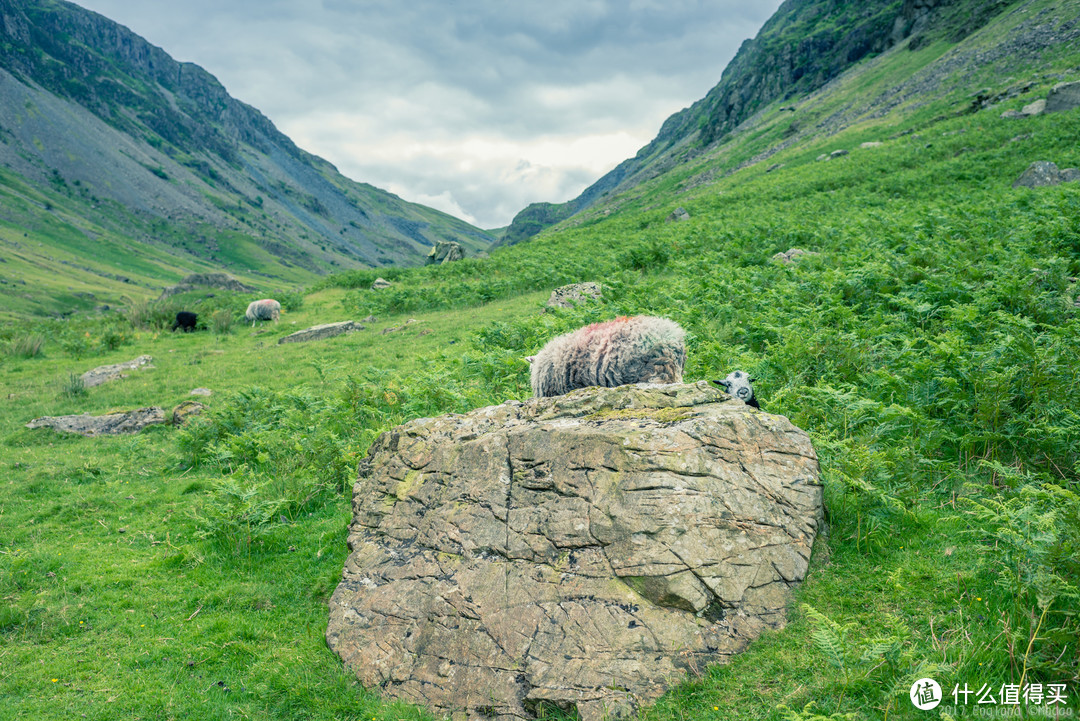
738 384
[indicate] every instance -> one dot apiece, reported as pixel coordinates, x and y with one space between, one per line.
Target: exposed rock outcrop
110 424
568 296
1042 173
1063 97
789 256
586 550
318 332
445 251
221 281
103 374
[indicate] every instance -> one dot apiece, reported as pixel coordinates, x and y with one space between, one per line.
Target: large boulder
585 550
319 332
445 251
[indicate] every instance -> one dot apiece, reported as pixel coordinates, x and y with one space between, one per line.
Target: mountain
105 140
805 45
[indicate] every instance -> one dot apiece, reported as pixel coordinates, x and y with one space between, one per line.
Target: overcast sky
474 107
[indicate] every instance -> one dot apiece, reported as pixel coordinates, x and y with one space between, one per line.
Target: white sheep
265 309
637 349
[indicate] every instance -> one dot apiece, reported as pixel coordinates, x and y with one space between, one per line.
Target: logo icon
925 694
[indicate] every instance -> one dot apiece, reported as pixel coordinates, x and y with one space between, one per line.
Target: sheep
737 384
638 349
265 309
185 319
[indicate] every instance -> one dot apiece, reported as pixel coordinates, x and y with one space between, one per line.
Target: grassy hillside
929 346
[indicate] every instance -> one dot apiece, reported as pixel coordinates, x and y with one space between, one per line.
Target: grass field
929 346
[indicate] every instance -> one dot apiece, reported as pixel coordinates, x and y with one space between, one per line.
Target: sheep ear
726 385
752 380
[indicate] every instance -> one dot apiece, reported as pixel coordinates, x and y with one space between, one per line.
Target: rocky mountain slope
803 47
98 123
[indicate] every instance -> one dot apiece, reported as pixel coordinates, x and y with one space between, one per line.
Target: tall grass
29 345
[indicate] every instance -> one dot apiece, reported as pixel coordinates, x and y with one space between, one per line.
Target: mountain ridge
802 47
115 130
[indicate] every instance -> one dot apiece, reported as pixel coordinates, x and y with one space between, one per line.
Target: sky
474 107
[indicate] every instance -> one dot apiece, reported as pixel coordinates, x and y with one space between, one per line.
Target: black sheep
185 319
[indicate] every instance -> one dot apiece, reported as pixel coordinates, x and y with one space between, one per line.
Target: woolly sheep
265 309
738 385
185 319
638 349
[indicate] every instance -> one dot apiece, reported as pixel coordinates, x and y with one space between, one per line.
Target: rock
394 329
110 424
823 156
186 410
1062 97
838 153
774 167
201 392
1035 108
370 319
871 144
1042 173
103 374
791 255
318 332
206 280
585 550
1013 114
445 251
678 215
570 295
380 284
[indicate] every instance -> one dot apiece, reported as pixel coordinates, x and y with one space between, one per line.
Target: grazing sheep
737 384
265 309
185 319
638 349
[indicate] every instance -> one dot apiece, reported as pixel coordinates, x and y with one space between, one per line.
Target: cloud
477 107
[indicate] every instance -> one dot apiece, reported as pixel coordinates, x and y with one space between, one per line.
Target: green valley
928 341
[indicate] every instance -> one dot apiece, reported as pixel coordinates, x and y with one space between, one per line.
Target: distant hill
805 45
106 138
